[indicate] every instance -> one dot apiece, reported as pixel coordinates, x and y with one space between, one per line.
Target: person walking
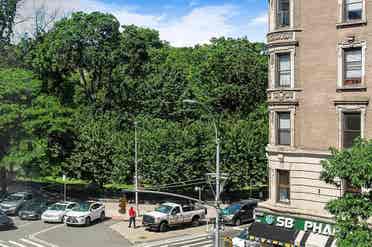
132 217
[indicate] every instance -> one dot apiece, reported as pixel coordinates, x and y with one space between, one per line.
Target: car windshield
58 207
164 209
14 198
33 205
232 209
243 234
82 207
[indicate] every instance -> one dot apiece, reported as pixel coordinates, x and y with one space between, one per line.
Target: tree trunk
3 180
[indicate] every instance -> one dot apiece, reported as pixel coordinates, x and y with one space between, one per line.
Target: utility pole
217 235
136 166
218 174
64 187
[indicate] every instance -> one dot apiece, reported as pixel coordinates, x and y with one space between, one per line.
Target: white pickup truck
172 214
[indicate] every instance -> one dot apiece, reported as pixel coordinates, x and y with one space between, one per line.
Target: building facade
318 95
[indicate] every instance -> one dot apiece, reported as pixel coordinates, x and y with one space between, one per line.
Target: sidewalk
141 235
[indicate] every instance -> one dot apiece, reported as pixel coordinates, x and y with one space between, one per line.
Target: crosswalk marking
18 244
32 243
189 241
175 241
199 243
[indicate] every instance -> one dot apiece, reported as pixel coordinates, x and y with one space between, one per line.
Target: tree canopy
352 211
96 79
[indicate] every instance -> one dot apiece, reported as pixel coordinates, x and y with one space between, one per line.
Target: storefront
279 230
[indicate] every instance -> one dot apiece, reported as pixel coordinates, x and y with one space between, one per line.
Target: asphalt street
38 234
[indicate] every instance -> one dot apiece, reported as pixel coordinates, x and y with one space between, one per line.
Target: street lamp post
136 166
217 198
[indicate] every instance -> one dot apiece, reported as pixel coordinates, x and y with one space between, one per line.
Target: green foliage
97 152
29 123
85 44
97 80
354 167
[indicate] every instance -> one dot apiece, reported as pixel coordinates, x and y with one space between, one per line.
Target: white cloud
260 20
196 27
199 26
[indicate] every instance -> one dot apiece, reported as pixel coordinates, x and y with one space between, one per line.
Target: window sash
282 13
351 129
353 65
353 9
284 70
284 129
283 185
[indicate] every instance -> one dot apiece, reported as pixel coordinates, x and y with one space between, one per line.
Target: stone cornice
272 149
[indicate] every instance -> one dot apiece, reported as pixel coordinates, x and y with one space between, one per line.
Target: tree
354 167
28 125
17 90
8 10
85 45
97 151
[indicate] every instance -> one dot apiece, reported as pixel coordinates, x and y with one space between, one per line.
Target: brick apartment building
320 84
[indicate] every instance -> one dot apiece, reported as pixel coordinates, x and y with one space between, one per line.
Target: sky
180 22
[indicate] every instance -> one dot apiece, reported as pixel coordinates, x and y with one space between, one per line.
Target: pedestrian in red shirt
132 217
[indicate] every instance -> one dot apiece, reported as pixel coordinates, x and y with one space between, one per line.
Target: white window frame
273 66
341 109
341 67
342 13
273 111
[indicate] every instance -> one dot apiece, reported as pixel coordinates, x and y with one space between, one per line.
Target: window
282 13
176 211
351 128
284 128
353 10
283 70
353 66
283 186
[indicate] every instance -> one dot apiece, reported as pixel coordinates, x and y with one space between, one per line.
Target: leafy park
70 97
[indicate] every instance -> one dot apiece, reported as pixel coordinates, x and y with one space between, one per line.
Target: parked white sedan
57 212
85 213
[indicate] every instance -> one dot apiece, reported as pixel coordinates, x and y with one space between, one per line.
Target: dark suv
239 212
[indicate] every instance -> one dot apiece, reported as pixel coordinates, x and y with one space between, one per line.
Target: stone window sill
351 24
283 89
352 89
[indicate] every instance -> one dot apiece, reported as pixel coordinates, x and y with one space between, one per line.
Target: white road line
32 243
199 243
26 224
3 245
34 238
43 242
15 243
176 240
46 230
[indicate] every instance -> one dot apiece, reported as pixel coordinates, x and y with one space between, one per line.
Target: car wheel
195 221
103 217
237 222
64 218
163 227
87 221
